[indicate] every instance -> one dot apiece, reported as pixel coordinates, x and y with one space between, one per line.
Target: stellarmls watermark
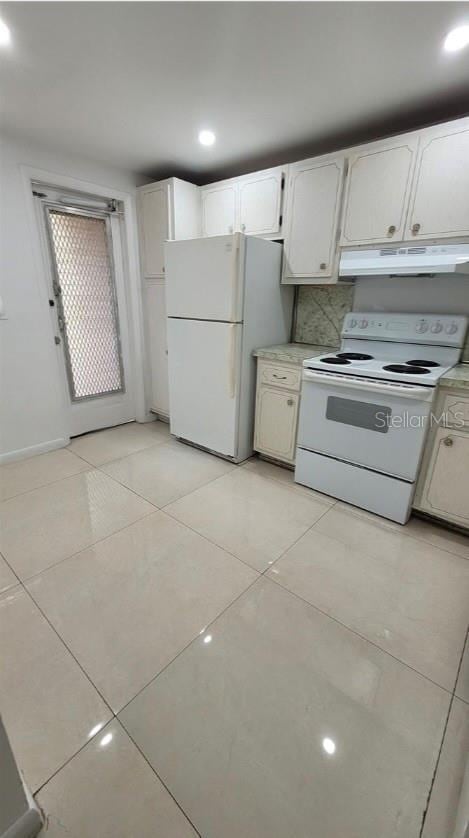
455 419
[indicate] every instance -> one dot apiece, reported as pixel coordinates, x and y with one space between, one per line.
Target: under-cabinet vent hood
406 261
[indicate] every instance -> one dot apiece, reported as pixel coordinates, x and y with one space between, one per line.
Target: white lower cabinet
444 482
277 406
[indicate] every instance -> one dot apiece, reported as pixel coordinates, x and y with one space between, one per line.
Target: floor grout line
29 579
193 640
178 804
357 634
453 697
50 623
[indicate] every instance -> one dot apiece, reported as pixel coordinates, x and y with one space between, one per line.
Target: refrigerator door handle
232 366
235 315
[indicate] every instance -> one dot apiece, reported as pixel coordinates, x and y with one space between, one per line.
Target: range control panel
441 330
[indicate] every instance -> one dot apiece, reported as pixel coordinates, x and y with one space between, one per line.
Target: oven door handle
406 391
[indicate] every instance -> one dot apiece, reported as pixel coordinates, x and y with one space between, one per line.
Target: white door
439 203
154 228
156 331
204 383
219 210
312 217
260 199
377 192
276 423
204 278
89 311
446 489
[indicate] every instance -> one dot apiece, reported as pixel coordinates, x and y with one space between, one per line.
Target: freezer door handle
232 364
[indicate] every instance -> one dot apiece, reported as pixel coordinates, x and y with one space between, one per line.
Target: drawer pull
290 402
448 441
282 377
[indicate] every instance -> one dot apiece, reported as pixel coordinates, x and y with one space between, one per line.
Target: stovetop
412 348
388 368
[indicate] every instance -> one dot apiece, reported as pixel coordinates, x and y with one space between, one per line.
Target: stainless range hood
406 261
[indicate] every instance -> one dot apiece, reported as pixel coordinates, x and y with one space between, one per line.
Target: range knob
436 328
363 324
451 328
353 322
421 326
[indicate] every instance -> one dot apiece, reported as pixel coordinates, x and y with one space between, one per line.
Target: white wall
31 401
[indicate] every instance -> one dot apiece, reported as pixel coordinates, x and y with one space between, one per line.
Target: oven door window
372 417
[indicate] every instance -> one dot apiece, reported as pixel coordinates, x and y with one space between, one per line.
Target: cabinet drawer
456 412
278 376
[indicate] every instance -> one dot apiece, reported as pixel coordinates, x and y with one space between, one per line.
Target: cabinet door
276 423
156 334
377 192
312 217
154 227
260 199
446 489
439 204
219 210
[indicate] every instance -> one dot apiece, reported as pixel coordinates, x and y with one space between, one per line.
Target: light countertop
458 377
293 353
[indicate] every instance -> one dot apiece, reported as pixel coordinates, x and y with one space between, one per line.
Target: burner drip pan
406 369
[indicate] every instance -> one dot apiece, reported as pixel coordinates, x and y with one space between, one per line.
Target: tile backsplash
320 311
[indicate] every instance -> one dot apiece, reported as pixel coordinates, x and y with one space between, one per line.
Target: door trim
131 262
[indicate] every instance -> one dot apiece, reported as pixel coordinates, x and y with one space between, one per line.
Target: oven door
377 424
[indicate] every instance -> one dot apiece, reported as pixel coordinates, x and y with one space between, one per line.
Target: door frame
131 269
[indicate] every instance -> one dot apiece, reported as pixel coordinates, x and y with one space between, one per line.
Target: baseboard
33 450
27 826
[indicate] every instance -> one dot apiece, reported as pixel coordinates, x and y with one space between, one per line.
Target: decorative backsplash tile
320 311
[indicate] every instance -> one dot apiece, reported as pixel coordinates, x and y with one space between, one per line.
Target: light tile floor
192 648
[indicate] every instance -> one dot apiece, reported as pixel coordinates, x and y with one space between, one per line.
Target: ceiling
132 83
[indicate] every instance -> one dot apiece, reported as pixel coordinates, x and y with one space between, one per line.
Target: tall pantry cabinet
169 209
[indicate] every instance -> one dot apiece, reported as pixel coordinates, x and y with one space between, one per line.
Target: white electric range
366 409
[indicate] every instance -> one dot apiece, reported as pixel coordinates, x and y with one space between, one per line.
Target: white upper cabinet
260 199
439 204
218 209
154 227
251 204
166 210
377 192
312 218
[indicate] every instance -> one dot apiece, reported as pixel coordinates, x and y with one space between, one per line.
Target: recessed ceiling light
329 746
457 39
5 36
206 137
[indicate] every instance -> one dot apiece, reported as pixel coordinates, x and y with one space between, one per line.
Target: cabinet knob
415 228
323 266
290 402
448 441
391 230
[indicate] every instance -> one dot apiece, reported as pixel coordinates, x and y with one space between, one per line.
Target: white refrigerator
224 299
